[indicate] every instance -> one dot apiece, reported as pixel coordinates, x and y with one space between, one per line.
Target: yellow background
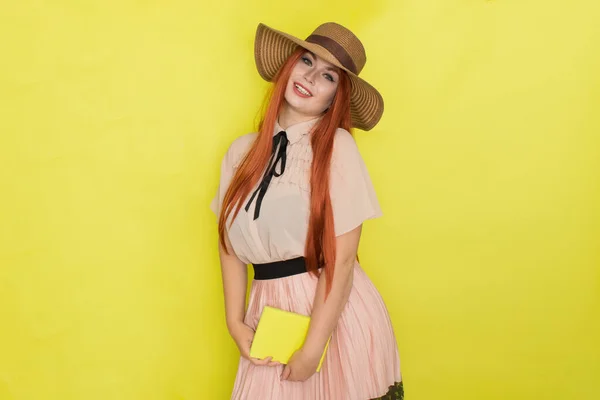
114 117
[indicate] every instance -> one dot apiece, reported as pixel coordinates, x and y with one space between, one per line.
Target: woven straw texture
273 47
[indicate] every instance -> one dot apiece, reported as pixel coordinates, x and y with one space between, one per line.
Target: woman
291 201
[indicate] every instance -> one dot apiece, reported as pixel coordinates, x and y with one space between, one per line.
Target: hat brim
272 48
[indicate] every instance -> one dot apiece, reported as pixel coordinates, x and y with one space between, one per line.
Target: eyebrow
332 69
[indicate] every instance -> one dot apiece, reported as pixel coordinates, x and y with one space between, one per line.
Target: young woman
291 201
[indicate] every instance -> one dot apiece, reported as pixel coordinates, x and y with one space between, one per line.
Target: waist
279 269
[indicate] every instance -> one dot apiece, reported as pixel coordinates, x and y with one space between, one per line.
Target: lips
301 90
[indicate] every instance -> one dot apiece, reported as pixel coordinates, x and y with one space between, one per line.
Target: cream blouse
279 233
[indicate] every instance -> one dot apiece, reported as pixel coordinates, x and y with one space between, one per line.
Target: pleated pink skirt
362 361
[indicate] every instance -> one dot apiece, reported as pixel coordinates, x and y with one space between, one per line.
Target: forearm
235 280
325 314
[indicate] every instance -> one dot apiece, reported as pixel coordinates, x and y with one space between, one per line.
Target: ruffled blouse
279 233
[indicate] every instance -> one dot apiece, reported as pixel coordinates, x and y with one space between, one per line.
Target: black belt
279 269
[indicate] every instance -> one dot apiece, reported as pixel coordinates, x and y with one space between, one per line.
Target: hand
302 365
243 335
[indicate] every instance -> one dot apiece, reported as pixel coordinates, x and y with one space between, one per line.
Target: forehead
326 64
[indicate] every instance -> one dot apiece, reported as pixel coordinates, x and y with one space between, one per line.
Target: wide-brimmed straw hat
333 43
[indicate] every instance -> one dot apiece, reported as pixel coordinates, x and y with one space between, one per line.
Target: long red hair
320 247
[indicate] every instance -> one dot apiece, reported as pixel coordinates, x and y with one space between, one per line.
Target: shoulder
344 148
242 144
343 140
239 147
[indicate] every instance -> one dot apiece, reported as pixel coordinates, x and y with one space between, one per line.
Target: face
312 85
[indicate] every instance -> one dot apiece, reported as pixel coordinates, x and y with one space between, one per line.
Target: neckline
296 131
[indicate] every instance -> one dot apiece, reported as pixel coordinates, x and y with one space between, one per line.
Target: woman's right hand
243 335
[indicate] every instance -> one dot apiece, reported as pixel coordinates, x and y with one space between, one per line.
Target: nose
310 76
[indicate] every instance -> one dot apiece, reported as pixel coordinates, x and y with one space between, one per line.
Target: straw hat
333 43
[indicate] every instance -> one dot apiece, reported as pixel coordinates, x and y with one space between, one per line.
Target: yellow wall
114 116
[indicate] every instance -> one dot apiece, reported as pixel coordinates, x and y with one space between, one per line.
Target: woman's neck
288 116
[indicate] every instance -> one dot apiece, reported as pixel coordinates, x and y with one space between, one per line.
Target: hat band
336 49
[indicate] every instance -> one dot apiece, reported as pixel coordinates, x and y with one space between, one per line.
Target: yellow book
279 334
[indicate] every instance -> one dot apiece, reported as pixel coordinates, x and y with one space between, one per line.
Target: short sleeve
229 164
352 193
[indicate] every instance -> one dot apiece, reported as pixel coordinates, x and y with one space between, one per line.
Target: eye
329 77
306 61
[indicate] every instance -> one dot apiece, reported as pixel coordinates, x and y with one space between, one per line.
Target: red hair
320 247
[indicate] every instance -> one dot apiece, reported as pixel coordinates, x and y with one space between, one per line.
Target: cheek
328 95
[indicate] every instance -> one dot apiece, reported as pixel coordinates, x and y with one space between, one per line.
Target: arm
233 270
235 282
325 314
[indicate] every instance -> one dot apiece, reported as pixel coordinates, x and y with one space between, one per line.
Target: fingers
286 373
264 362
258 361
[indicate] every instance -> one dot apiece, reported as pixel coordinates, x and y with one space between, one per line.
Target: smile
302 90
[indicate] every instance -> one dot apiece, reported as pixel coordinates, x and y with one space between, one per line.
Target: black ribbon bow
278 153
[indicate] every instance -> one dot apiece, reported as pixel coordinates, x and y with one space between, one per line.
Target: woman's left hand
301 366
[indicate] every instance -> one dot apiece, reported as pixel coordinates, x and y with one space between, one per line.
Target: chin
303 111
295 104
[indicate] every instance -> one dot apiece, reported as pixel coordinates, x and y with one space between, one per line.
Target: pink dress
362 360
